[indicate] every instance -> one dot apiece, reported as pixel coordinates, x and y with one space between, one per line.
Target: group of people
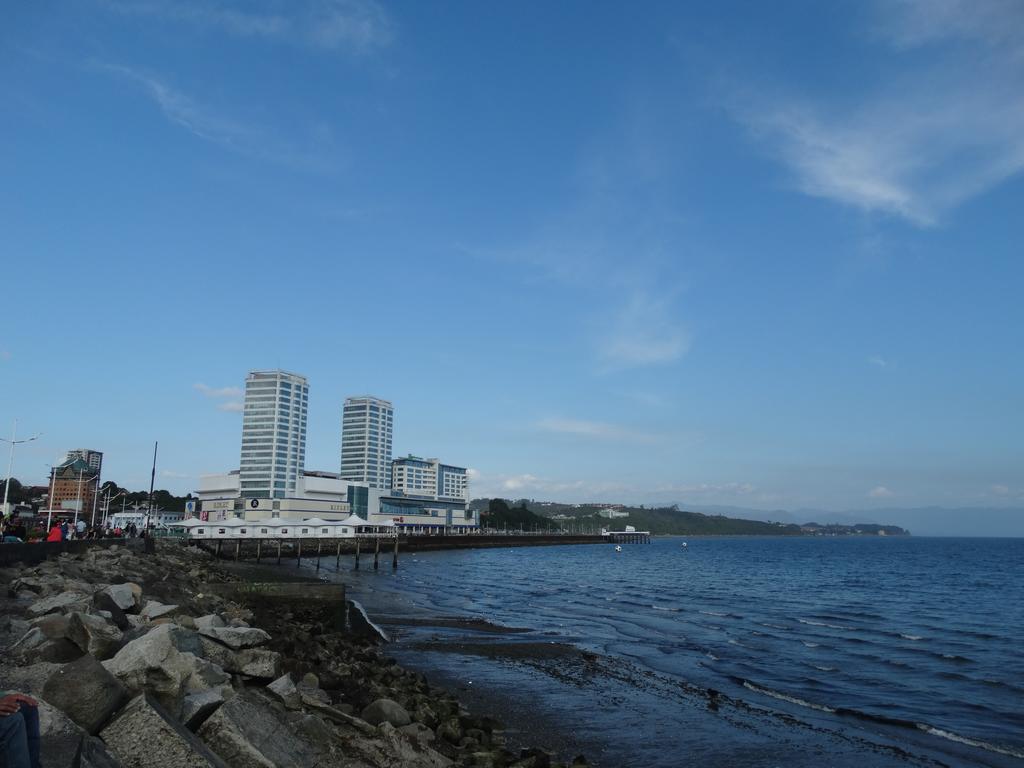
62 530
13 531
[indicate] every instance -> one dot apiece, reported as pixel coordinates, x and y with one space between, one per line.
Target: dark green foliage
499 514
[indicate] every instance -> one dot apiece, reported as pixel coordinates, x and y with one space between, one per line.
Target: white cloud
594 429
530 485
934 135
707 489
878 360
233 406
356 26
172 475
880 492
218 391
211 125
643 332
1000 490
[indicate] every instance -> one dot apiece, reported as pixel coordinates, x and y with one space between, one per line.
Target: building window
220 531
263 530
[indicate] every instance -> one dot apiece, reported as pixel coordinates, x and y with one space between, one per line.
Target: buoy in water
618 548
684 545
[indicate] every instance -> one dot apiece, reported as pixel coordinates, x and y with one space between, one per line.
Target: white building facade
93 458
367 426
428 496
317 494
273 434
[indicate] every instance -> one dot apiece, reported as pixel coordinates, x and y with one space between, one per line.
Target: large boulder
94 635
124 596
247 733
386 710
86 692
236 637
284 688
144 735
154 662
155 610
196 707
62 603
102 601
47 640
251 662
92 753
59 737
209 621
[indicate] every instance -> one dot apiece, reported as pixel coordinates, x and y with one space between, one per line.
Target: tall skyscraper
273 434
367 424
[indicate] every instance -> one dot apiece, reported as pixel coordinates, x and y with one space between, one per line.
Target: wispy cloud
212 125
172 475
597 430
706 489
878 360
356 26
226 394
934 136
218 391
643 332
880 492
530 485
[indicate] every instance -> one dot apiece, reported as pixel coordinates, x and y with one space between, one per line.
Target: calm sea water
826 648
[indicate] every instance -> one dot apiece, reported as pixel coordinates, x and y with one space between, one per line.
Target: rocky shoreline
140 660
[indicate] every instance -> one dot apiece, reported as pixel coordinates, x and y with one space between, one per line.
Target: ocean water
824 651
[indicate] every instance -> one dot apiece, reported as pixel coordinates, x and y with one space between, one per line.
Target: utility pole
78 501
152 479
49 500
10 461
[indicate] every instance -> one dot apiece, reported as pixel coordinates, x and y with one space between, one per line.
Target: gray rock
154 662
247 733
123 596
236 637
59 737
155 610
386 710
284 688
102 601
251 662
62 603
93 635
92 753
196 707
419 733
208 622
86 692
36 646
144 735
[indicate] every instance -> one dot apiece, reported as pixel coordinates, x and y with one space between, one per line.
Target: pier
627 537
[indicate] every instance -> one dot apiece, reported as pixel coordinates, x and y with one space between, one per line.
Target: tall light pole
49 499
10 462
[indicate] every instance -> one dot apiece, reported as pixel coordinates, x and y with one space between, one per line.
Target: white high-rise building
273 434
429 478
367 424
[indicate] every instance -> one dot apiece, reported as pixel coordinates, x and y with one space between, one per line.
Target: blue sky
755 254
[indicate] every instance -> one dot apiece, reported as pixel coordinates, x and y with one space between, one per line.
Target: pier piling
337 562
394 560
278 551
376 554
318 554
298 553
238 549
219 542
259 549
357 554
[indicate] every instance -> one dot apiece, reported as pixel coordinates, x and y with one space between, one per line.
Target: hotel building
367 425
273 434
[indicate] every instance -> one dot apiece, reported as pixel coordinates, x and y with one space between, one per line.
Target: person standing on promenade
55 533
19 730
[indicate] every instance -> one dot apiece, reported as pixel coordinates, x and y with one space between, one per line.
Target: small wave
822 668
978 743
714 613
665 608
785 697
957 658
711 656
810 645
773 626
911 637
811 623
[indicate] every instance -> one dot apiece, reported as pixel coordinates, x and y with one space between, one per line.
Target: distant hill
672 520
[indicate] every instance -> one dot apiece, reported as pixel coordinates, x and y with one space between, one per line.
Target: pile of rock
134 665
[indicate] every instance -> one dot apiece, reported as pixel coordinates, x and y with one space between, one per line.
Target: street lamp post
49 500
10 461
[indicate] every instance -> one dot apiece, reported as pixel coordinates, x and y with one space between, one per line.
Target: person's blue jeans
19 738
